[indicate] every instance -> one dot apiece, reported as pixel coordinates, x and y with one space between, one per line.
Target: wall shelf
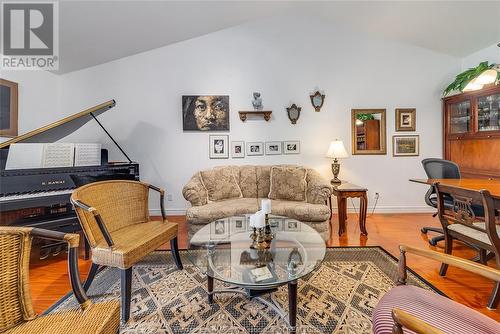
265 114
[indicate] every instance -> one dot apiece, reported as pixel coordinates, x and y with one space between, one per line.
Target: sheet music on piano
58 155
87 154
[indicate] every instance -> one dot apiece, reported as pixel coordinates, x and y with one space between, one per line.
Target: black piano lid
65 126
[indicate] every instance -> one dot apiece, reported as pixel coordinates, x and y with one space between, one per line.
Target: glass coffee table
222 251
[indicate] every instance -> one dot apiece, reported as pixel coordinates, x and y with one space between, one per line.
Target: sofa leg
175 253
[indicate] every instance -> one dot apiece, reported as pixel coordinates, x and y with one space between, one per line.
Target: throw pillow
220 184
288 183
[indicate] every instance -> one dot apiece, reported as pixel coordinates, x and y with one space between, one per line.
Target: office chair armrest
162 199
98 218
73 241
476 268
406 320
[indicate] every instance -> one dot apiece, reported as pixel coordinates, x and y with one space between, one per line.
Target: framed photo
205 112
405 146
238 224
219 229
8 108
255 148
406 119
219 147
292 225
273 148
237 149
276 223
291 147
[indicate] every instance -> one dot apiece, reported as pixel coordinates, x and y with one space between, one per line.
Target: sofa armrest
318 189
194 191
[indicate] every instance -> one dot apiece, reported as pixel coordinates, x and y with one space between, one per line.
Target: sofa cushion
438 311
300 210
288 183
248 181
221 209
263 180
220 184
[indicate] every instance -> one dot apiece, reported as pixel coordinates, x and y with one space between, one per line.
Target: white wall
285 59
38 94
490 54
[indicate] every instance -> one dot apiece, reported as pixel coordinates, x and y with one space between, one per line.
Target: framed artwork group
223 228
220 147
406 145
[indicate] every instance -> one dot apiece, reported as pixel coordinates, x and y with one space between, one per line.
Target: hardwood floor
49 281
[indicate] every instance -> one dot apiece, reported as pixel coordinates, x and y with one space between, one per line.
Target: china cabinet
472 132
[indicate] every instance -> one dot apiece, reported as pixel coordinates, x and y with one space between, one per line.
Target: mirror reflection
368 131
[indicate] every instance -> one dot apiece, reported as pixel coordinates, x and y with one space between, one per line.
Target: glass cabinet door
487 113
460 117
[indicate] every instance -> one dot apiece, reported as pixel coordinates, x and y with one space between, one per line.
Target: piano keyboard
35 195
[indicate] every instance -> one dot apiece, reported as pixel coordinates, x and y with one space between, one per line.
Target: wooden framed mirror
317 100
368 131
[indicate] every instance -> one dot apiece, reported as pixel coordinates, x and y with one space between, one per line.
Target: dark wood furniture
368 131
426 312
460 223
343 191
115 218
471 132
493 186
244 114
8 108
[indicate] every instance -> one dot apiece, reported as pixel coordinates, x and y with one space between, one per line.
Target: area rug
337 298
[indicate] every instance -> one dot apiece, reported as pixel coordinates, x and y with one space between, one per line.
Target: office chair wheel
435 240
424 230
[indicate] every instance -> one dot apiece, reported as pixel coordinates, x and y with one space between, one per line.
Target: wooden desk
493 186
343 191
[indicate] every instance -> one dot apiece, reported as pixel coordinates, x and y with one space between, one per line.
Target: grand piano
40 197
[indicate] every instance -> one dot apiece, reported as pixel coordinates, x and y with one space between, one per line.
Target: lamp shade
337 150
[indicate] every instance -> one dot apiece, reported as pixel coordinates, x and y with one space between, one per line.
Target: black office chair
438 169
442 169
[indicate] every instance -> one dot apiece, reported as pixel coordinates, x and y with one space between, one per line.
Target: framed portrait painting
219 147
405 146
8 108
205 112
406 119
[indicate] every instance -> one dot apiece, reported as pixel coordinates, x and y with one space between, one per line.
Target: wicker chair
115 219
16 310
411 309
461 223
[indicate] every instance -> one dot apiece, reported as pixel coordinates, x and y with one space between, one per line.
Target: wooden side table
343 191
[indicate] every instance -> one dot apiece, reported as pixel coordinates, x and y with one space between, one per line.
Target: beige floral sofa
237 190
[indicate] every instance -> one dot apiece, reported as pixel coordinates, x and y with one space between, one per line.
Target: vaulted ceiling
95 32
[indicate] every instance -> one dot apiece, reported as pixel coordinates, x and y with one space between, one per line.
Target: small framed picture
406 119
276 224
219 147
238 224
273 147
237 149
291 147
405 146
255 148
292 225
219 229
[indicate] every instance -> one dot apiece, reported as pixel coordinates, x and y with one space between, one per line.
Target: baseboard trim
378 209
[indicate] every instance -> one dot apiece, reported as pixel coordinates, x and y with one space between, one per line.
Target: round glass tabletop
222 250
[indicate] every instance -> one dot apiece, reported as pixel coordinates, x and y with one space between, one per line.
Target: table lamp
336 151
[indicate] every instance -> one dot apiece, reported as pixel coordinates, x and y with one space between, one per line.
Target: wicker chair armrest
73 241
476 268
162 200
98 218
406 320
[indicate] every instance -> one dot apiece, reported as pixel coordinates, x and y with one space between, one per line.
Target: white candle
252 221
260 219
266 206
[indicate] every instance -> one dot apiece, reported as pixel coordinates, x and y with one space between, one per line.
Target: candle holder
268 233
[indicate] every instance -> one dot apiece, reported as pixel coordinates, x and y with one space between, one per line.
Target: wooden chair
459 222
409 308
115 219
16 309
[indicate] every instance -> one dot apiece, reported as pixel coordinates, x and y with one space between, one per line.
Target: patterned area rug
337 298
